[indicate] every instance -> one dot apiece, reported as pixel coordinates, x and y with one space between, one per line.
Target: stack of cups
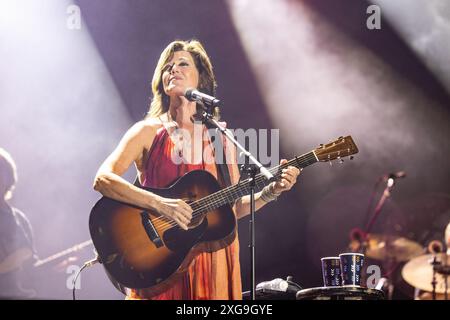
344 270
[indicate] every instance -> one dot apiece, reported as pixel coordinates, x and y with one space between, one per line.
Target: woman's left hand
288 178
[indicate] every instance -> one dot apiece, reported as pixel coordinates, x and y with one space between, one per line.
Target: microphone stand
384 197
207 118
386 194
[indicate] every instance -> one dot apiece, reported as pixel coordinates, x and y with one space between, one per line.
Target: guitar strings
216 199
163 223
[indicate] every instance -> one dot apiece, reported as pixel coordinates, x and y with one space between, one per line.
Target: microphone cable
89 263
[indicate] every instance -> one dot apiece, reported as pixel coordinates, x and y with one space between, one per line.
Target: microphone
390 178
195 95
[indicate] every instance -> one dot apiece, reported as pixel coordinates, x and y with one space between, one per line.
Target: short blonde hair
207 81
8 174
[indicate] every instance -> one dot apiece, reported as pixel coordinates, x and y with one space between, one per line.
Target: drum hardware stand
434 263
207 118
392 266
446 287
443 269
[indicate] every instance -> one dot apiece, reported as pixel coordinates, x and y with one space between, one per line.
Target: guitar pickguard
150 229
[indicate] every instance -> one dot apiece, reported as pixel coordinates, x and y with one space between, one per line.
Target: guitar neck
230 194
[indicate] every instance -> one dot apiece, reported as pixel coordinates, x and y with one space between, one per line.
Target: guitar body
141 250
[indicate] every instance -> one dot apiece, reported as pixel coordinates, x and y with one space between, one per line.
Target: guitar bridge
150 229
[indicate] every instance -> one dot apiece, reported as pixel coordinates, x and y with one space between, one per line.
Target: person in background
16 235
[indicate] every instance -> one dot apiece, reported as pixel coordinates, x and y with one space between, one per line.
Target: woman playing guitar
152 145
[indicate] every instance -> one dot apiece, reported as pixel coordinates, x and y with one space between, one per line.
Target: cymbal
384 247
419 273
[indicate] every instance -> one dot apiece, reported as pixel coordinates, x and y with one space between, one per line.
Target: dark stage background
309 68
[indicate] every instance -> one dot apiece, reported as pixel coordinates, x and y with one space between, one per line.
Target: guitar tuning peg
321 145
331 163
341 160
351 157
341 137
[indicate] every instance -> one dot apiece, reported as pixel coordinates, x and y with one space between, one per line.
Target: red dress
213 275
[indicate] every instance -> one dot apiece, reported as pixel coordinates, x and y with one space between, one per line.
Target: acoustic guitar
147 252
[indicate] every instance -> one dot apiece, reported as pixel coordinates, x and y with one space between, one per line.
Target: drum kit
426 268
411 262
428 273
425 262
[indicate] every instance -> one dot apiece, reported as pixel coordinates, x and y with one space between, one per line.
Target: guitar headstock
342 147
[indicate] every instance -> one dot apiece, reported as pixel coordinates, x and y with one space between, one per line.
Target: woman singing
152 145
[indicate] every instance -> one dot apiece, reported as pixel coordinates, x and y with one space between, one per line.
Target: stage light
60 116
425 27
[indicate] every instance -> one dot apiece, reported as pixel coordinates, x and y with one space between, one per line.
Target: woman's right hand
176 210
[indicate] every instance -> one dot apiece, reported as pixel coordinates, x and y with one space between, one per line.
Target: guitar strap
221 164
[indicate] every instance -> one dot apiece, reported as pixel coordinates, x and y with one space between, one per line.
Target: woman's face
179 74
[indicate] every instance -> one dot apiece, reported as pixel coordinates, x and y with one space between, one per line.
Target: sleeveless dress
211 276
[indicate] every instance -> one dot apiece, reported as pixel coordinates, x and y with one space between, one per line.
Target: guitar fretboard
232 193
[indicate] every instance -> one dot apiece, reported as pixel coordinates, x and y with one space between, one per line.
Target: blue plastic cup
351 268
331 271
